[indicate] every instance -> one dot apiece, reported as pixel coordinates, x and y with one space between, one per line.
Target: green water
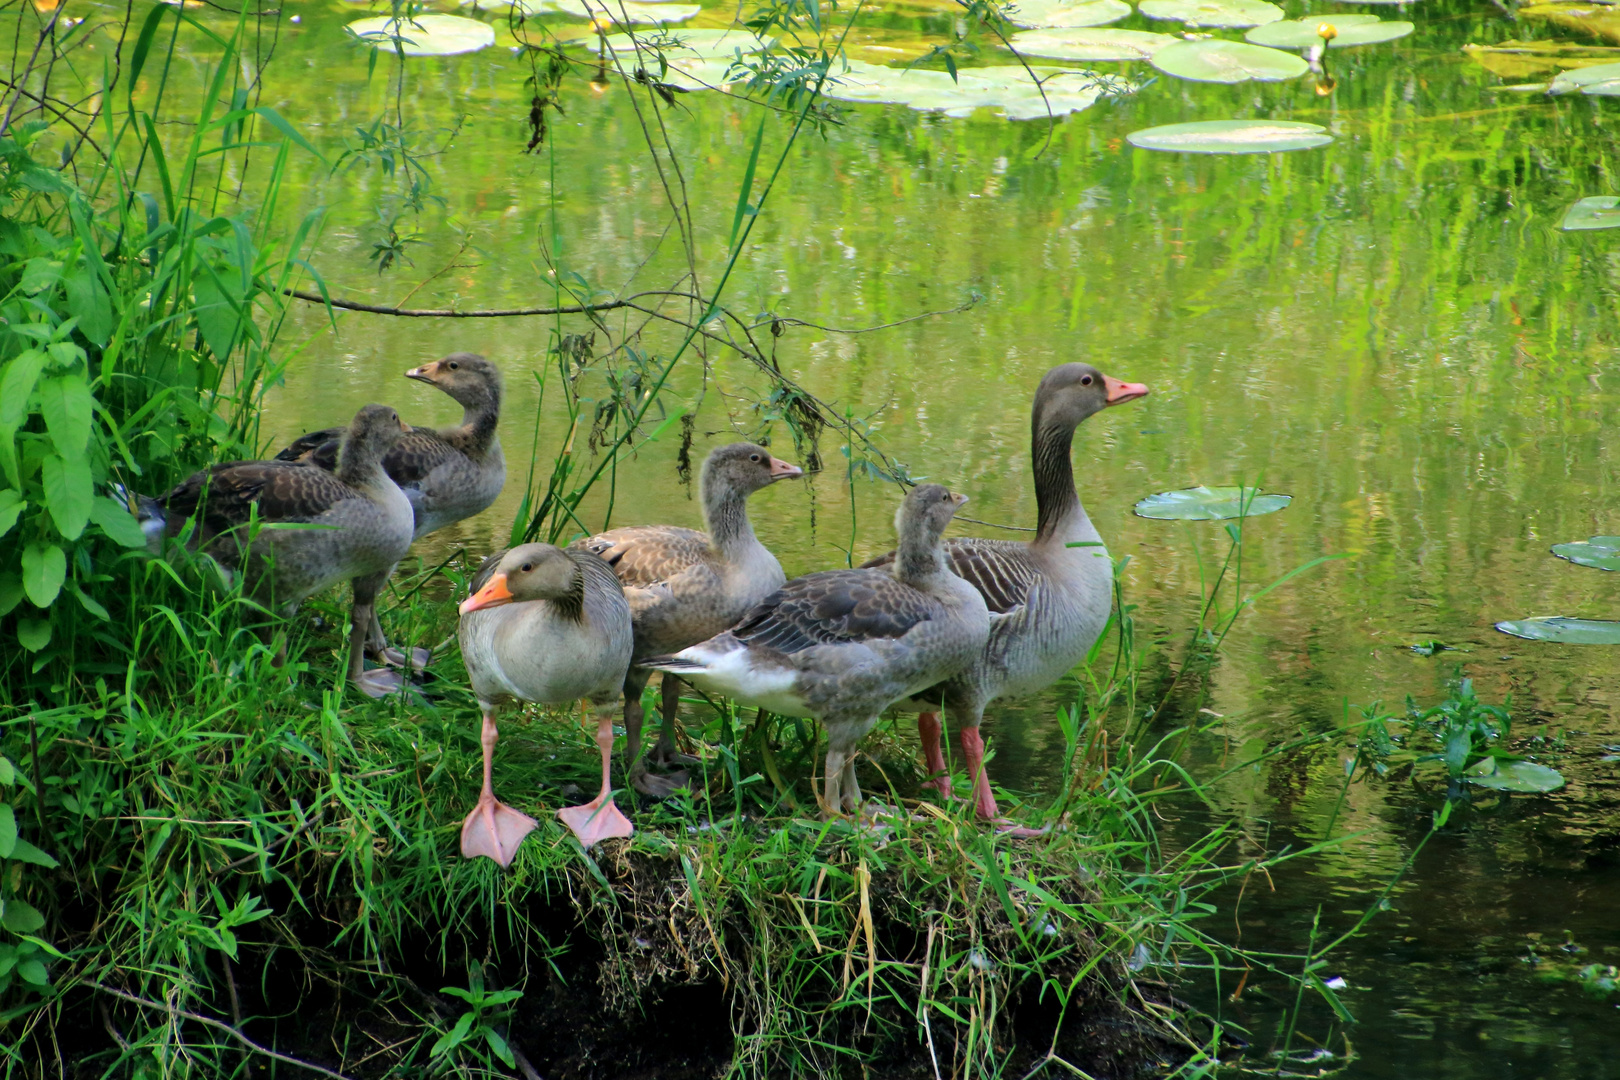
1391 329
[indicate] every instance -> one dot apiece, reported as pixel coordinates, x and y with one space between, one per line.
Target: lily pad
1068 12
1602 552
620 12
1008 87
1525 776
1217 60
1602 80
1592 212
1513 59
425 35
1348 30
1232 137
1210 504
1091 45
688 44
1566 631
1232 14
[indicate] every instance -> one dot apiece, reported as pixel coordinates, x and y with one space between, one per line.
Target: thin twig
222 1026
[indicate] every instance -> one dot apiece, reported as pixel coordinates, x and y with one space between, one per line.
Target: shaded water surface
1391 329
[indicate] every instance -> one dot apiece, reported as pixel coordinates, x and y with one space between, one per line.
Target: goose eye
1085 380
753 457
526 568
455 365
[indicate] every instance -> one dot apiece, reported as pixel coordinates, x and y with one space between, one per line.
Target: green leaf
118 523
21 918
216 318
11 504
1091 45
1216 13
8 772
67 405
90 603
8 454
1601 552
32 971
1222 61
1348 30
28 853
34 634
1210 504
498 1044
44 568
1592 212
8 830
1566 631
87 301
69 491
17 386
1523 776
1071 13
452 1038
425 35
11 592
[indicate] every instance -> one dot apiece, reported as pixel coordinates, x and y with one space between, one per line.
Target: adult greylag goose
367 519
842 645
685 586
448 474
1050 600
547 626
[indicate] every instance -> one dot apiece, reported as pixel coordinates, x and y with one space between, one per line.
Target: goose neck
1056 501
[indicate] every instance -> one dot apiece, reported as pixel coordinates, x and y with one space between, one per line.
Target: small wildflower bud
1327 31
1325 87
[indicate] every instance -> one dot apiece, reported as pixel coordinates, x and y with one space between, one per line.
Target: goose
367 525
685 586
1050 600
548 626
448 474
842 645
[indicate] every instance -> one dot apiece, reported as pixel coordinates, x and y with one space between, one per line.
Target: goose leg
599 819
376 683
984 803
670 701
377 647
493 828
832 784
850 788
939 776
648 783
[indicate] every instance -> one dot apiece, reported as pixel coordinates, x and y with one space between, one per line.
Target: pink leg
973 749
939 777
493 828
599 819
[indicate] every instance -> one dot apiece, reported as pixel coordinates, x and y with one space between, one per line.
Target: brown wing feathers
1000 570
418 452
227 493
835 606
647 555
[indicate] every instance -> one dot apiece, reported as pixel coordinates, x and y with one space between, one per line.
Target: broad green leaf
498 1045
118 523
1008 87
21 918
1055 13
1231 137
90 603
1218 60
1342 31
8 830
69 492
1213 13
1601 80
1524 776
44 568
17 385
11 505
28 853
34 634
684 44
8 772
87 301
1091 45
425 35
1602 552
1562 630
11 592
1210 504
622 12
215 316
32 971
66 404
1592 212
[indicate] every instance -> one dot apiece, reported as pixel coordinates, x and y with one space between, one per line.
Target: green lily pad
1304 33
1602 552
686 44
1210 504
1007 87
1217 60
425 35
1091 45
1592 212
1068 12
1601 80
620 12
1525 776
1232 137
1232 14
1562 630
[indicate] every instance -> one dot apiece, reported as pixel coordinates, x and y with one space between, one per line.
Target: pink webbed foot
596 821
494 829
417 658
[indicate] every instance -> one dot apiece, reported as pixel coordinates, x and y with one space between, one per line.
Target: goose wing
647 556
418 452
1000 569
835 607
319 448
227 494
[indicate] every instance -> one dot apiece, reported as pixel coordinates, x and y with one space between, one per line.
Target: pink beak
1121 392
781 470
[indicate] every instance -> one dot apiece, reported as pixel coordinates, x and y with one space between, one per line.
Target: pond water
1391 329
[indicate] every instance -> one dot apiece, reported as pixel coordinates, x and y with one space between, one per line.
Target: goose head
743 468
1071 393
372 433
922 518
529 572
472 381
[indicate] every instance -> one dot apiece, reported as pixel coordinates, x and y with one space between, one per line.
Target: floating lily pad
1008 87
622 12
1068 12
1232 137
1348 30
1210 504
1217 60
1567 631
1525 776
1233 14
425 35
1592 212
1091 45
1599 80
699 44
1514 59
1602 552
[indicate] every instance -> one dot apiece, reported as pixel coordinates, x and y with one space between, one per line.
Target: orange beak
1121 392
493 594
781 470
403 427
425 373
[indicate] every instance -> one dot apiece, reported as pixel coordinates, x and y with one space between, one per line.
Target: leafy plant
475 1030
